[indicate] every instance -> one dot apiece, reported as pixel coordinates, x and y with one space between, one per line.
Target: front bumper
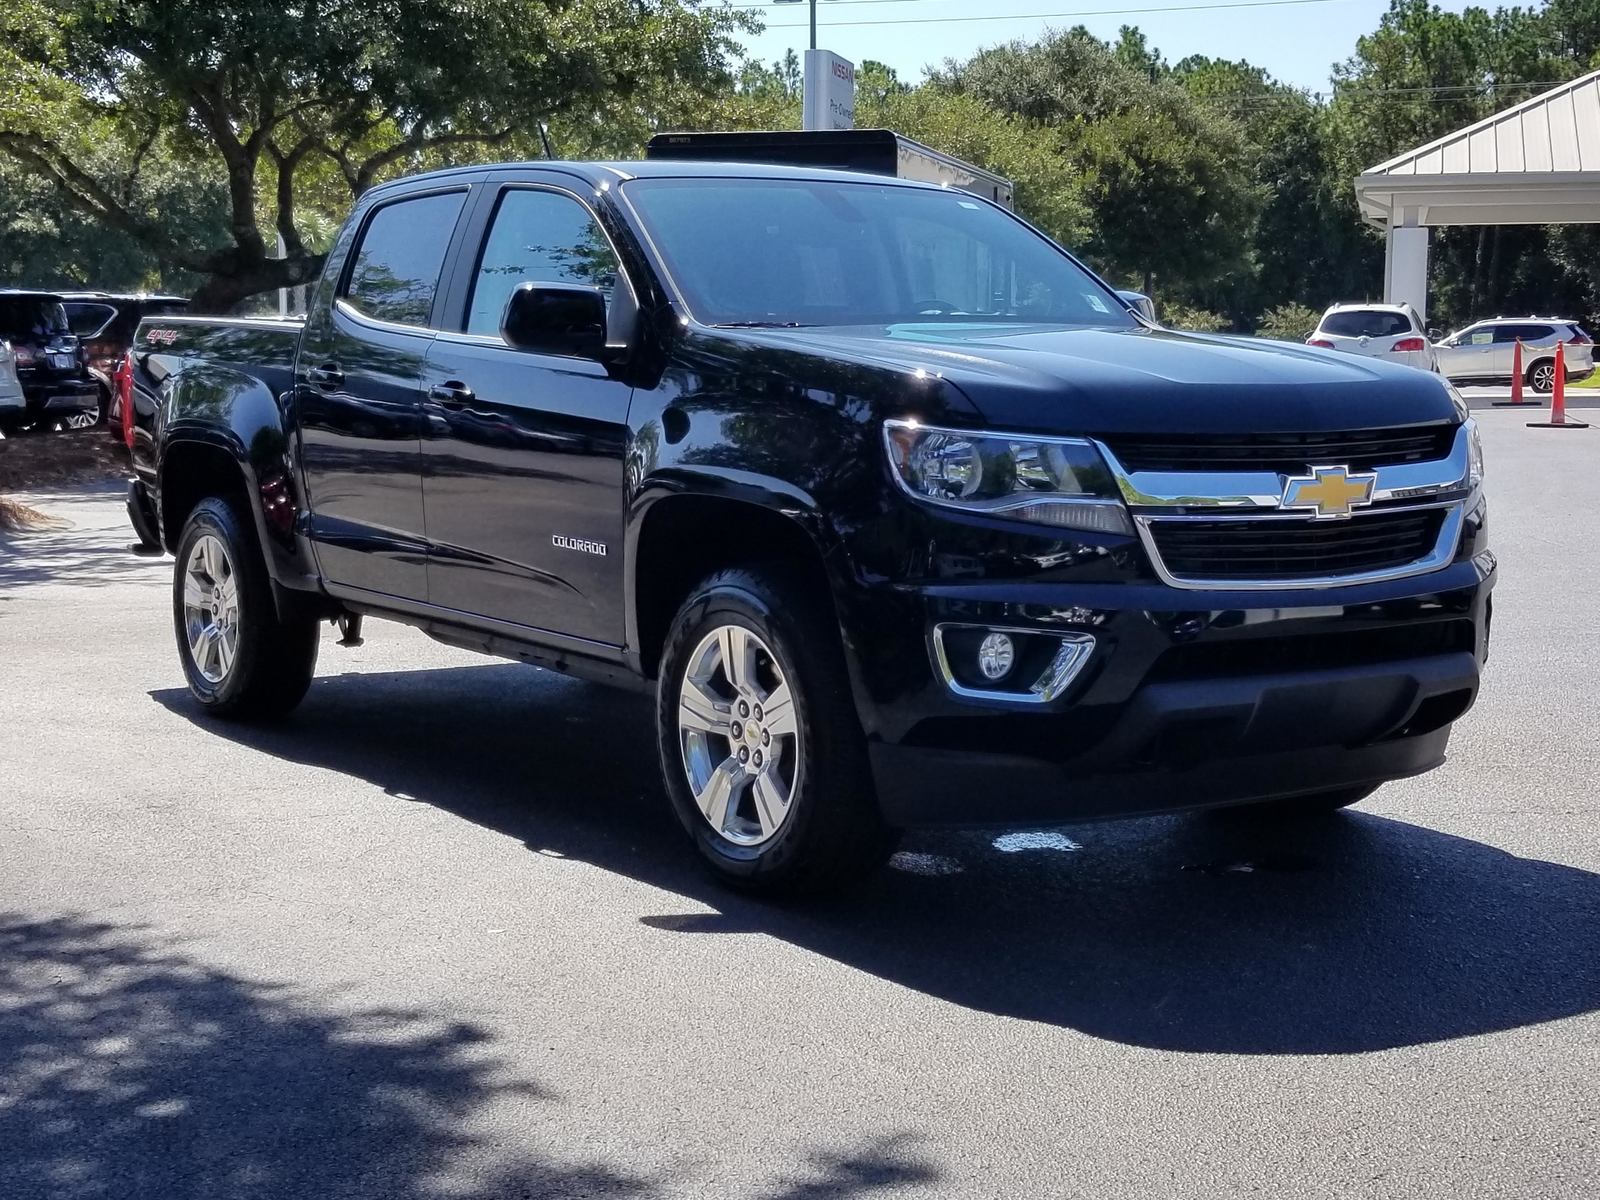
1253 696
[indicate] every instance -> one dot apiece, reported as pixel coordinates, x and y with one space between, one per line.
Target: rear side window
396 269
539 237
1526 333
87 320
1366 323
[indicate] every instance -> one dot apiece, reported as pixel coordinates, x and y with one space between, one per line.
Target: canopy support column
1405 265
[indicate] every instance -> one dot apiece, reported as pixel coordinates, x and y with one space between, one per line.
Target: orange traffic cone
1558 398
1516 381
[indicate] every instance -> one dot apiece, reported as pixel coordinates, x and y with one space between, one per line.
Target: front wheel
1542 376
761 753
240 657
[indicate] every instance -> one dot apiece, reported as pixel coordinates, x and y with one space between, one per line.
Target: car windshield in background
1365 324
30 318
811 252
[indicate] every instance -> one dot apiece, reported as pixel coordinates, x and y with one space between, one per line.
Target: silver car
12 404
1485 352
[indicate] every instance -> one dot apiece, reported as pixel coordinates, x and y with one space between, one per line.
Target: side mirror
568 319
1434 335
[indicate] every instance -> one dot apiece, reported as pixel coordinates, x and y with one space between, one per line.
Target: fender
211 405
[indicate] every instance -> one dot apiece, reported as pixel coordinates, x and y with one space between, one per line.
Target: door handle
451 395
326 376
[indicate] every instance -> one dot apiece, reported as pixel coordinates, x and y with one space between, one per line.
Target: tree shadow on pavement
1349 934
90 547
129 1069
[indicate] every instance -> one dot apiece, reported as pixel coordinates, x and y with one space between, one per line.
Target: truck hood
1050 379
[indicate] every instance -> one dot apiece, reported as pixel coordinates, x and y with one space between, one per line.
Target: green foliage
1196 320
170 142
246 93
1166 180
1289 322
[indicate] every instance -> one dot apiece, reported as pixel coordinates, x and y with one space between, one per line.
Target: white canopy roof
1536 163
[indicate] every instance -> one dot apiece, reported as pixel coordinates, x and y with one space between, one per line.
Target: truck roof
599 173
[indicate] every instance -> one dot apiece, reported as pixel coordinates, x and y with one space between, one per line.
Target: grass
1592 382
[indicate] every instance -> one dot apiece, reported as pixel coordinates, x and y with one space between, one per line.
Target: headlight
1474 455
1051 481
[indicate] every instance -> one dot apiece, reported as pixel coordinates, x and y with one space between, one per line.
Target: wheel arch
678 536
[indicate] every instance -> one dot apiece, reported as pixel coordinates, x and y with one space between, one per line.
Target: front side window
809 252
538 237
396 269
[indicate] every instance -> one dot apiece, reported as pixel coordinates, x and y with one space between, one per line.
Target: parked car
12 404
50 360
1486 351
1392 332
898 512
105 323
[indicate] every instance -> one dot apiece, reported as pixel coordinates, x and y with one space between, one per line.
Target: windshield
808 252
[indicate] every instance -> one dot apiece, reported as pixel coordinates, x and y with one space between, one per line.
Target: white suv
1485 352
1392 332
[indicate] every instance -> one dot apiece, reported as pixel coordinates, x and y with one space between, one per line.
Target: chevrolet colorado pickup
902 516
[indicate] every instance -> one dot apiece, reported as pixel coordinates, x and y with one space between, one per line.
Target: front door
1470 354
358 392
523 454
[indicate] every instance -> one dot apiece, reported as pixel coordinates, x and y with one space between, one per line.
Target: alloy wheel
1544 377
739 735
211 608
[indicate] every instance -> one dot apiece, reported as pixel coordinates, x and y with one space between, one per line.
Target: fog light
996 655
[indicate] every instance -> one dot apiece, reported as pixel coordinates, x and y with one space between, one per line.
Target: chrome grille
1284 549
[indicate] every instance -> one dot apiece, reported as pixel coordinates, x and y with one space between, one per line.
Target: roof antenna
544 136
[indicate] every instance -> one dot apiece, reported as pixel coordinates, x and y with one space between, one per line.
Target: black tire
275 658
1308 805
1534 379
832 834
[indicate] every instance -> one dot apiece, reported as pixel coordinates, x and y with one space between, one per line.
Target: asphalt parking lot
437 936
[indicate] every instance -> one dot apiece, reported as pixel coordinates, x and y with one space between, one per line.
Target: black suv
105 323
51 363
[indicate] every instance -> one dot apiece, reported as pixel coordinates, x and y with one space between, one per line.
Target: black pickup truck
902 516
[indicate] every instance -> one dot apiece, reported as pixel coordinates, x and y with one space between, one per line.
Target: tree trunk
1491 283
236 276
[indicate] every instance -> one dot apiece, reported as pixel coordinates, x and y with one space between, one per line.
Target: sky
1298 42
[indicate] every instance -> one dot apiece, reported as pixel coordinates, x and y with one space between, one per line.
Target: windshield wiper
762 325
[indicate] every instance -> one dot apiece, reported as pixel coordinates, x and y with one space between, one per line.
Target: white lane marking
1034 839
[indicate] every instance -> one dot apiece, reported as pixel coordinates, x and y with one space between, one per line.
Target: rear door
1506 336
523 455
358 390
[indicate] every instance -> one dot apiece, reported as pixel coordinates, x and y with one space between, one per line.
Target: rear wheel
240 657
1542 376
761 753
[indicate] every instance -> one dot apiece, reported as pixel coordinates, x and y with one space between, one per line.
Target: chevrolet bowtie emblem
1328 491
